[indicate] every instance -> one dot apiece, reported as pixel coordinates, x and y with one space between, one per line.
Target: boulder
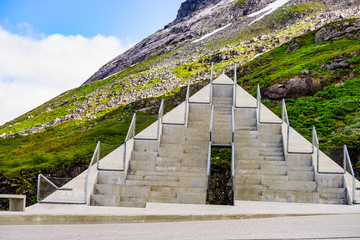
294 88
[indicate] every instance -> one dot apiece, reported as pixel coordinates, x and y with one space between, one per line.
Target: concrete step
169 173
194 160
194 124
198 117
173 129
240 163
196 144
330 180
201 108
196 133
141 165
168 159
245 128
298 186
269 138
168 164
114 201
249 179
289 196
299 160
152 178
306 168
151 183
333 201
244 197
172 139
301 175
245 113
269 128
193 182
221 140
227 100
198 150
246 192
121 190
146 145
330 193
143 156
170 152
191 197
245 122
162 194
241 134
198 138
163 200
263 169
177 189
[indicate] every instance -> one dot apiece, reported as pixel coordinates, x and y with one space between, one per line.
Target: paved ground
314 227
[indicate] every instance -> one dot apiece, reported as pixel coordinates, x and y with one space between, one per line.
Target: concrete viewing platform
162 212
165 180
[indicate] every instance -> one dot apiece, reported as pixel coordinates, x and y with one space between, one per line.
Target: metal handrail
160 115
316 141
186 109
95 154
285 118
347 159
132 124
209 150
210 91
259 108
232 143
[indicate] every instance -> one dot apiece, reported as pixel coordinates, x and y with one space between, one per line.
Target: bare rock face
190 6
347 29
294 88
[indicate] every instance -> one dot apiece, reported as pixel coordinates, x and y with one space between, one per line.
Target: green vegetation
335 112
273 67
152 82
240 3
220 191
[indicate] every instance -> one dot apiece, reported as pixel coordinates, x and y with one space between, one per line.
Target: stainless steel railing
232 144
186 112
130 134
348 161
96 156
285 118
259 108
208 167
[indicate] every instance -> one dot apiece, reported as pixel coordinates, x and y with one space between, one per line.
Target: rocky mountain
292 48
204 31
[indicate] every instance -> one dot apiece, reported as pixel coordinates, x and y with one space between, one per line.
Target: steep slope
165 60
61 134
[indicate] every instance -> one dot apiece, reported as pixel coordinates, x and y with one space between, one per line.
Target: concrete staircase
222 120
173 171
264 173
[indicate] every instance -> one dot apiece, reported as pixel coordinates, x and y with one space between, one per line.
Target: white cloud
35 69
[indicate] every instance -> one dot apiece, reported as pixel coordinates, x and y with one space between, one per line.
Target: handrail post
235 85
38 189
187 102
211 80
258 102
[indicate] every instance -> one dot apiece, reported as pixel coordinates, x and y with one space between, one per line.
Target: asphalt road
315 227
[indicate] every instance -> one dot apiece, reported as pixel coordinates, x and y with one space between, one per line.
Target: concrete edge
59 219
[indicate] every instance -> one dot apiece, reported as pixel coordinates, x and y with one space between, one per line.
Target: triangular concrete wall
243 99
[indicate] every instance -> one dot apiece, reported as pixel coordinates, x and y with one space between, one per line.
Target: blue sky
134 19
48 47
